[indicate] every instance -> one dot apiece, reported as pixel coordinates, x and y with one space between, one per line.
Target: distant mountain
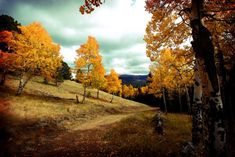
134 80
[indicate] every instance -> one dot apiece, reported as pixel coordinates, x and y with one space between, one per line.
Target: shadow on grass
137 137
23 137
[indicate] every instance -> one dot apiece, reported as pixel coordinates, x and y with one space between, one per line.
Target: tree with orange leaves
98 76
5 37
170 72
208 133
7 26
114 84
128 91
34 54
87 62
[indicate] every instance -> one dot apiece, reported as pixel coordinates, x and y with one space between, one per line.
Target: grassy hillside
46 121
48 101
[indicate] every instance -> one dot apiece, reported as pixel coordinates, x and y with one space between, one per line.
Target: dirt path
108 120
84 140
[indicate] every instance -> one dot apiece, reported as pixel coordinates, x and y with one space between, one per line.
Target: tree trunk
226 99
77 100
213 119
197 122
230 112
112 98
164 99
45 80
84 94
98 92
179 99
22 83
3 77
188 99
57 82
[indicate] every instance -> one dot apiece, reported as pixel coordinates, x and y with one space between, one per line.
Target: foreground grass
136 136
46 121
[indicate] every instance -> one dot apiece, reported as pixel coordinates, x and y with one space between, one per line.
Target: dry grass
136 136
47 115
49 105
40 101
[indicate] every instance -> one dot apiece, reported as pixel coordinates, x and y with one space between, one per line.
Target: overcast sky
118 26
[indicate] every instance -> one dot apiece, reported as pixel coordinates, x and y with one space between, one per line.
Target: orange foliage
129 91
5 37
88 61
35 51
113 82
171 72
98 75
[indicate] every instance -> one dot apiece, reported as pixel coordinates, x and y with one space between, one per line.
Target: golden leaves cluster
89 64
168 47
114 84
35 52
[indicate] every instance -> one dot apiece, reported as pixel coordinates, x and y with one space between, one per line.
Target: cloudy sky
118 26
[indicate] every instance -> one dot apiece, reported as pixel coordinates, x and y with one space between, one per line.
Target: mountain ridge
134 80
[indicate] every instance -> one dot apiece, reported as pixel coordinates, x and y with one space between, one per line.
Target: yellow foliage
171 72
172 61
129 91
113 82
98 74
89 64
35 52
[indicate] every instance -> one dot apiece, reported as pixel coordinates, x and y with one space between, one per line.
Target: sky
118 26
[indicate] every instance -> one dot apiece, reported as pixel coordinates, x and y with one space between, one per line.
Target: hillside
47 121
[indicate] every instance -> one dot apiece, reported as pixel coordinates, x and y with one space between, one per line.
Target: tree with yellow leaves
34 54
172 59
98 76
125 91
171 72
114 84
88 59
129 91
144 90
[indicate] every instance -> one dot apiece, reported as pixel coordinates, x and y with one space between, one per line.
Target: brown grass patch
137 137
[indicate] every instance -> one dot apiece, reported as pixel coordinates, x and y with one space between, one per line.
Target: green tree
63 72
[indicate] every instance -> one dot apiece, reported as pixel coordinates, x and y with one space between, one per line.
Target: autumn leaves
29 51
33 53
167 45
90 70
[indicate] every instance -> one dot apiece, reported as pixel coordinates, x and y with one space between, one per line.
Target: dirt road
83 140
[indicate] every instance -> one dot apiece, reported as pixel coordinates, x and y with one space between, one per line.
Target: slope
47 121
